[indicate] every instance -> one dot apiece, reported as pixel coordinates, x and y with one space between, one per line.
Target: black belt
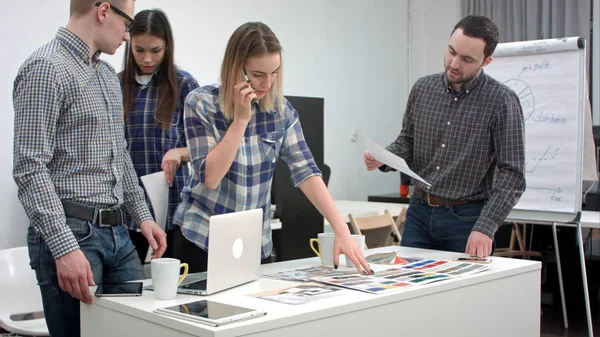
103 217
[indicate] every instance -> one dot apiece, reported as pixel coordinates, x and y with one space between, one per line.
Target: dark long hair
153 22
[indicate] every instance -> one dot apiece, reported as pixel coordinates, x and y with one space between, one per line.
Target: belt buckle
101 224
429 201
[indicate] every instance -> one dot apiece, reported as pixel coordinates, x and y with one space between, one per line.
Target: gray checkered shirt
69 141
468 145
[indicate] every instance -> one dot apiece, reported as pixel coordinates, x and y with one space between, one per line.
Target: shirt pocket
270 144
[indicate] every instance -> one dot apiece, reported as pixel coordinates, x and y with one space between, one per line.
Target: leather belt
435 201
103 217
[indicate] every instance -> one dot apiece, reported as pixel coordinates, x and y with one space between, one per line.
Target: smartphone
119 289
245 75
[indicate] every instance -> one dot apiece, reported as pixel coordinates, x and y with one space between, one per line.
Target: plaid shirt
148 141
247 184
69 140
467 145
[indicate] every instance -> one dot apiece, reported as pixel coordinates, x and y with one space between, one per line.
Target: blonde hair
248 40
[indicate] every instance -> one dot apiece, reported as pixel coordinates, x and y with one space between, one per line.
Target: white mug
166 278
325 251
360 242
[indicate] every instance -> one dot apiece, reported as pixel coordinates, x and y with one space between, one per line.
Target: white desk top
590 219
280 315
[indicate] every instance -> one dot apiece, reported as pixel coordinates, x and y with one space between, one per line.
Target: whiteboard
548 76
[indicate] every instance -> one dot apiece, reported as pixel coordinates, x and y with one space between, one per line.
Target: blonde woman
236 132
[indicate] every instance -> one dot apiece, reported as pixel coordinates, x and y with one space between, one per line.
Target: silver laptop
234 253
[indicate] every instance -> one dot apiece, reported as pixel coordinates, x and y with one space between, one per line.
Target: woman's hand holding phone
244 95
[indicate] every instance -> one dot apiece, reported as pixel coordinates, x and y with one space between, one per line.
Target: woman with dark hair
154 92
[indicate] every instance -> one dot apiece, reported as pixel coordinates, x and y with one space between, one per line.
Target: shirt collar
256 103
466 87
76 45
139 79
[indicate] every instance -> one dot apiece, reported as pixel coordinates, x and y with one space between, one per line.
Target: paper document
158 193
300 294
390 159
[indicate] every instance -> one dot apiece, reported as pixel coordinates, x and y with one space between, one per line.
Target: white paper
390 159
158 193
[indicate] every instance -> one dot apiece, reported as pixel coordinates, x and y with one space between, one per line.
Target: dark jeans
141 244
187 252
439 228
112 258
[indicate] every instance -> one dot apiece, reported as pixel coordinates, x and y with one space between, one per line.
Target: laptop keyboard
198 285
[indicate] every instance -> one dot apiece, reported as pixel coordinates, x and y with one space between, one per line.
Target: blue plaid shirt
69 140
247 184
148 141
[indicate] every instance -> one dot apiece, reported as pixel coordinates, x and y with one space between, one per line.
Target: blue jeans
439 228
112 258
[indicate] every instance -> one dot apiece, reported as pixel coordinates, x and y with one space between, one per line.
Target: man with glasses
72 167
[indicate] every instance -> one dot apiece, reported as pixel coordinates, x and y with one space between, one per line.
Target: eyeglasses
128 27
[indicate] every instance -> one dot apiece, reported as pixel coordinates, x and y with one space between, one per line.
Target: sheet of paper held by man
390 159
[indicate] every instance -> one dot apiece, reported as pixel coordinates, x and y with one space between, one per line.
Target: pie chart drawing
525 96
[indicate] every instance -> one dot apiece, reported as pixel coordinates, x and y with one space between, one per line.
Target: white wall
352 53
432 22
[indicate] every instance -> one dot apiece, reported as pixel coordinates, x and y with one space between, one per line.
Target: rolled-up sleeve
295 151
198 131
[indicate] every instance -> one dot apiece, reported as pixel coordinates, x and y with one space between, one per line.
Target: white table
503 301
363 209
589 219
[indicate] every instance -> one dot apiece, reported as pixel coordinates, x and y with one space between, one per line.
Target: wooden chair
400 219
376 229
516 237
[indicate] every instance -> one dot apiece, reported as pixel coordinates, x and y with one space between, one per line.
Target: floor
553 326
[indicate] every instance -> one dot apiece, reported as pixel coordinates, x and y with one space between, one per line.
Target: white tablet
210 312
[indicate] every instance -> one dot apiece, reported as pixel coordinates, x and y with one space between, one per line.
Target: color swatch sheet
300 294
452 268
307 273
394 279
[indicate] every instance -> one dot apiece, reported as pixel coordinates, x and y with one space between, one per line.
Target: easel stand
511 252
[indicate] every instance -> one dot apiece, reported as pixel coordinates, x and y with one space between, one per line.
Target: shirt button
443 145
249 194
455 99
428 187
467 91
437 167
449 123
